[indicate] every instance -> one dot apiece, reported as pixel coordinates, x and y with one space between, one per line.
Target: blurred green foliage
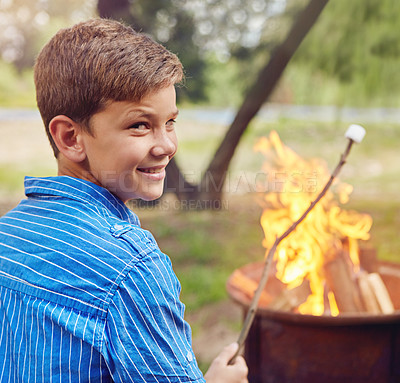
350 57
354 46
171 24
16 89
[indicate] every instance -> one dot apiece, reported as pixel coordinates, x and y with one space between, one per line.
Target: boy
85 293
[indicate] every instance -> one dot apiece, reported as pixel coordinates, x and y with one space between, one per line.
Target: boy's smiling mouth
152 170
154 173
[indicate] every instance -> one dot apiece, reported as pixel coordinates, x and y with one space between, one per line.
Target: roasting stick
355 133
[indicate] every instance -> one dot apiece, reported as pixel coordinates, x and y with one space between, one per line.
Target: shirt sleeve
146 338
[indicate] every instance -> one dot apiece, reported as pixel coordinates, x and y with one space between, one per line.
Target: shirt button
118 227
189 356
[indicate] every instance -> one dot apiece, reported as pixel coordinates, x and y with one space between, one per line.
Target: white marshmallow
355 133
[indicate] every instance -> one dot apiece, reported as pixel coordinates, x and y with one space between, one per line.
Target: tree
208 193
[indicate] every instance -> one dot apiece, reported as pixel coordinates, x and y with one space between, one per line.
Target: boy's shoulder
62 248
93 223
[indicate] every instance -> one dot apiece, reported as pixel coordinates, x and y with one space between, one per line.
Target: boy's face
131 144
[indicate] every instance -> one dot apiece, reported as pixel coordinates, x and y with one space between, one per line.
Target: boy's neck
73 169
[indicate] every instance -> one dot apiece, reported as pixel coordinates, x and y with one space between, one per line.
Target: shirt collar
79 189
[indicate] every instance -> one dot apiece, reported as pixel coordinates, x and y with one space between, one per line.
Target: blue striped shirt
85 293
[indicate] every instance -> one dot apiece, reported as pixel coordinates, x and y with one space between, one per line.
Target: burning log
288 300
357 292
248 286
342 283
368 259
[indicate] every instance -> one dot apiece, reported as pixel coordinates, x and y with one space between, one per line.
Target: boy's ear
67 135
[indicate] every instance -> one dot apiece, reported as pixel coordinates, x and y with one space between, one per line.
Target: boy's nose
165 144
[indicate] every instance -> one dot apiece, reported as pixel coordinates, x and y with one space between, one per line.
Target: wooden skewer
268 260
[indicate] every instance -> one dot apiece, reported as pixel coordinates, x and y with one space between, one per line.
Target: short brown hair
83 67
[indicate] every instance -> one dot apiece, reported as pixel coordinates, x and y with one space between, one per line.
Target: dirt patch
214 327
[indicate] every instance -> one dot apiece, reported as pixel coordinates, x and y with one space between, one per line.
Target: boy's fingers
228 352
221 371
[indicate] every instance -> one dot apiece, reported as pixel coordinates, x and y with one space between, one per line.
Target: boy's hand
221 372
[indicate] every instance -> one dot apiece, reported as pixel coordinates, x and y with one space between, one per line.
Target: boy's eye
138 126
171 123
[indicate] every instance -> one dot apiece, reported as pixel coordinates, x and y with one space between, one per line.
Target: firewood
381 294
368 259
288 300
248 286
367 294
342 283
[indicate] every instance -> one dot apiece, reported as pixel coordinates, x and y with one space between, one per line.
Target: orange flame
293 183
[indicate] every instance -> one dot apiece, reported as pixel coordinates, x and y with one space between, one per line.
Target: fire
293 183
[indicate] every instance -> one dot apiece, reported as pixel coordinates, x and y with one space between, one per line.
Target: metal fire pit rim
344 319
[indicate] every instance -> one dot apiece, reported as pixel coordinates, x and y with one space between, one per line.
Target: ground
213 328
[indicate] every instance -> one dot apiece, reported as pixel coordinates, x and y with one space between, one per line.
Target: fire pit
330 311
351 347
